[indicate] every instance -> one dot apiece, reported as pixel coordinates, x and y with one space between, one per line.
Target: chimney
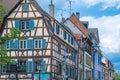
78 15
51 9
63 19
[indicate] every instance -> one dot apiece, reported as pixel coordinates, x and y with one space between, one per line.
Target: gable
19 13
74 19
33 14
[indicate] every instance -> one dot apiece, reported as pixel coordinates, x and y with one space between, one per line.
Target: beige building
107 69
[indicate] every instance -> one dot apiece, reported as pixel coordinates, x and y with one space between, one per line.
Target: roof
78 36
45 14
8 4
81 27
9 12
94 34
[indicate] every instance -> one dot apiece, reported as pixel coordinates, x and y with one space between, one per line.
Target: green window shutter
43 43
25 7
43 66
16 44
4 45
31 25
29 66
30 44
17 24
11 44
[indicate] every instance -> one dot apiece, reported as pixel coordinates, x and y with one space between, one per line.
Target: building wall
55 46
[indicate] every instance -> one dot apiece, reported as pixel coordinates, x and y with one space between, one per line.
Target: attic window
25 7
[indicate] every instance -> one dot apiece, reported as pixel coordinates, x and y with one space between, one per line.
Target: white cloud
105 3
109 32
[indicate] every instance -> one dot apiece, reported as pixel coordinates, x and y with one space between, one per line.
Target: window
25 25
38 43
8 44
25 7
65 35
68 38
59 68
72 40
99 60
23 44
57 29
21 66
59 48
110 74
99 75
40 65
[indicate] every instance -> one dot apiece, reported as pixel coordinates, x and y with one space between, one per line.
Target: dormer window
25 7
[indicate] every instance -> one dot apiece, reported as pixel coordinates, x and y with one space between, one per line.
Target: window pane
8 44
36 42
39 43
22 25
21 43
24 44
25 7
27 25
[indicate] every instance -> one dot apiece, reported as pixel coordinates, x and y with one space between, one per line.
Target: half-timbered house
80 31
42 46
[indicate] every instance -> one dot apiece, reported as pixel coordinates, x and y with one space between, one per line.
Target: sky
101 14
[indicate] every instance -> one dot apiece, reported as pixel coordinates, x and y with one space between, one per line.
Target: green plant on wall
14 34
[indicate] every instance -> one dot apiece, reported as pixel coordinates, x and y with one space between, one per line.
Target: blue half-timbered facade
96 55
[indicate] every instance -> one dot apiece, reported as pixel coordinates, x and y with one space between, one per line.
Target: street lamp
64 65
39 68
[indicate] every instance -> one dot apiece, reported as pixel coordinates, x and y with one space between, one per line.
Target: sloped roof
75 20
94 34
78 36
8 4
45 14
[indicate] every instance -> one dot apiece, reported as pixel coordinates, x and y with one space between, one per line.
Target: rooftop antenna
70 6
51 2
62 10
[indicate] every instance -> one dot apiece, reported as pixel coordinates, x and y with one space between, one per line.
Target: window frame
25 24
24 44
39 44
25 5
57 28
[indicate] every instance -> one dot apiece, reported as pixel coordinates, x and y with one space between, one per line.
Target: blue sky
101 14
